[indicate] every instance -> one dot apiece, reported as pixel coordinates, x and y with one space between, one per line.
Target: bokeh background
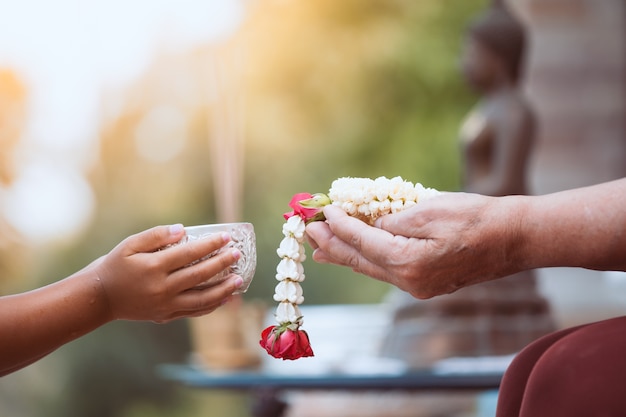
114 116
111 111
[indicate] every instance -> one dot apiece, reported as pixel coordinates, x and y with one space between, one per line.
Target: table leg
267 403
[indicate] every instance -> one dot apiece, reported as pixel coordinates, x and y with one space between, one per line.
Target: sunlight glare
68 53
48 201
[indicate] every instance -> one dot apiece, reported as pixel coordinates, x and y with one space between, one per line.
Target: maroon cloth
577 372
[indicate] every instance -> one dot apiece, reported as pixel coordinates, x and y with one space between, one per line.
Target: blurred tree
14 251
153 170
12 121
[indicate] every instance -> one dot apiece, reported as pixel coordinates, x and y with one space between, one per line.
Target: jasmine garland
362 198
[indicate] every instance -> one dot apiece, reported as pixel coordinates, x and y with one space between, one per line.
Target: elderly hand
436 247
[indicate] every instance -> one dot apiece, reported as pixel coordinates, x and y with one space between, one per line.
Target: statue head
502 36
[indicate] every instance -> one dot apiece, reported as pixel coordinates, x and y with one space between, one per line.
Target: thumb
155 238
408 223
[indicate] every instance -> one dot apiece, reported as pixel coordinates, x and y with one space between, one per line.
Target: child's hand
141 282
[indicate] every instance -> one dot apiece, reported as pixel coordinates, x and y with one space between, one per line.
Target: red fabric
577 372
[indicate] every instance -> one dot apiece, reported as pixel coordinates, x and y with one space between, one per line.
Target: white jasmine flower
301 254
289 247
396 206
294 226
385 207
288 291
289 269
426 193
381 189
349 207
364 210
374 207
408 204
288 313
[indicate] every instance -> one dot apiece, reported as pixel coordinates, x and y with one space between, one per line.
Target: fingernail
319 257
175 229
238 282
236 254
225 237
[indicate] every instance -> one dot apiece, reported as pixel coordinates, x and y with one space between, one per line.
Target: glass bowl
242 238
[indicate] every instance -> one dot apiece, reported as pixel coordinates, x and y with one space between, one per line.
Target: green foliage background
353 89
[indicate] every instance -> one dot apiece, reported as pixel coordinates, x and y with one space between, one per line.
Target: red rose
283 343
305 213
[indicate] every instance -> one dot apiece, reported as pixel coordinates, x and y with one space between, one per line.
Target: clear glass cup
242 238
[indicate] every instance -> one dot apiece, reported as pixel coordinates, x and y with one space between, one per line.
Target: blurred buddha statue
497 317
498 133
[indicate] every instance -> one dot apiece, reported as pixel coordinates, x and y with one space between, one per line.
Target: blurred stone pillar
576 81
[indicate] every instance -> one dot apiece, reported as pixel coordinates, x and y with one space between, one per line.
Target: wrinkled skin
459 239
428 250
